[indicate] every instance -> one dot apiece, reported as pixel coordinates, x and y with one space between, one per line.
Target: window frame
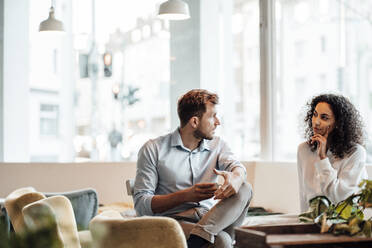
267 72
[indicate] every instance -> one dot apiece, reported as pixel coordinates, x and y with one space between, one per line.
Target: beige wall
275 185
108 179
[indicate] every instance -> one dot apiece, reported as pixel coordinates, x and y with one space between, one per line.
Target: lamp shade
51 24
174 10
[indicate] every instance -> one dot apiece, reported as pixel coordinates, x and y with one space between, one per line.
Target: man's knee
223 240
246 192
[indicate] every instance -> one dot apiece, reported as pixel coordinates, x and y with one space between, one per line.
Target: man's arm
231 170
232 182
146 179
196 193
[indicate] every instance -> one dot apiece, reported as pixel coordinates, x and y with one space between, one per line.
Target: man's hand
232 183
196 193
201 191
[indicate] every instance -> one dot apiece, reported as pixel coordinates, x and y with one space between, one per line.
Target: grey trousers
217 225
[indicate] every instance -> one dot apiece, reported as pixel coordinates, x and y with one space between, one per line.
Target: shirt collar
176 138
177 141
204 145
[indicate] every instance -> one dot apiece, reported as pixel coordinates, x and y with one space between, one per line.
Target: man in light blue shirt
177 176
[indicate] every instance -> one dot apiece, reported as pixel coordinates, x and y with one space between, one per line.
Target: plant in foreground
345 217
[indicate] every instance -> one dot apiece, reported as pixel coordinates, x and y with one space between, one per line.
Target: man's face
208 123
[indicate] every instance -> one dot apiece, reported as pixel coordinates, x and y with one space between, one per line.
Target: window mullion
267 68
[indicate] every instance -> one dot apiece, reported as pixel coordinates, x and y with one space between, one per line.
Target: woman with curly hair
332 160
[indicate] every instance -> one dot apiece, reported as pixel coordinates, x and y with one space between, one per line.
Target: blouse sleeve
339 186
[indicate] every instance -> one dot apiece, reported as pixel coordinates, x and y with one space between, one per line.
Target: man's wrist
184 195
239 172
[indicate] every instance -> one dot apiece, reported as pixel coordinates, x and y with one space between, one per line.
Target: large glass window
134 76
246 80
49 136
118 66
322 46
104 88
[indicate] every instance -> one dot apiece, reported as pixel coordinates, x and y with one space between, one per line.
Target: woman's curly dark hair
348 130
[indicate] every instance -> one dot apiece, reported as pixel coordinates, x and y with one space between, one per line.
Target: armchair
110 230
84 203
15 202
81 204
107 230
58 209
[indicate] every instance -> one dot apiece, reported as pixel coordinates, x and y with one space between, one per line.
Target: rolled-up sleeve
146 179
227 160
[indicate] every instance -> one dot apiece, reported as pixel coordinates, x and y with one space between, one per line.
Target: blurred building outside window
320 46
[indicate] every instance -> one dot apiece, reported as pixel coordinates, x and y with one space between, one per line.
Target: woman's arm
339 186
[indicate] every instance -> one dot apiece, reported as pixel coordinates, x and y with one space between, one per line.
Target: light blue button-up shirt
166 166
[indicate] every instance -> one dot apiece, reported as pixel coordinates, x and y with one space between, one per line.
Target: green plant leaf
344 210
346 217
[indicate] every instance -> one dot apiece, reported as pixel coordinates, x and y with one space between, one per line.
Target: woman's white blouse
333 177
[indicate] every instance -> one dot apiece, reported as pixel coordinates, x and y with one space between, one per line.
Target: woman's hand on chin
322 144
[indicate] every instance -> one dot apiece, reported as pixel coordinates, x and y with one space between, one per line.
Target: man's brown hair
193 103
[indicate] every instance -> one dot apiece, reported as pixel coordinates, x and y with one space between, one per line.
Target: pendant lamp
51 24
174 10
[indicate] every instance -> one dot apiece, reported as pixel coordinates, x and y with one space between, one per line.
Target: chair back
15 202
60 206
130 186
110 230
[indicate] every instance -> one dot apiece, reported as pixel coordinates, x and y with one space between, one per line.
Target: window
344 36
299 47
323 44
315 46
48 120
244 137
140 48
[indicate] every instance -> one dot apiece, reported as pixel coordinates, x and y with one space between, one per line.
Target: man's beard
201 135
